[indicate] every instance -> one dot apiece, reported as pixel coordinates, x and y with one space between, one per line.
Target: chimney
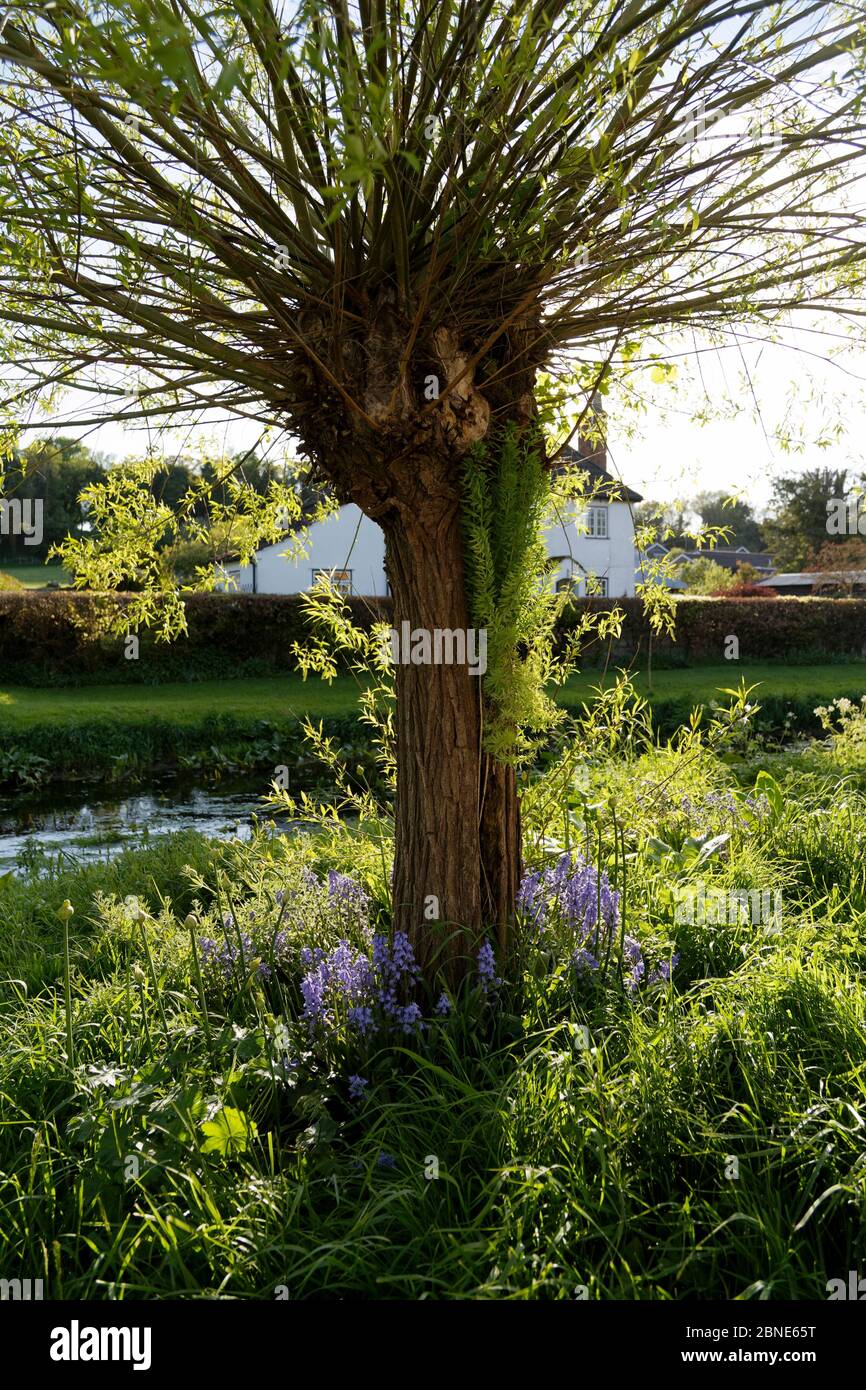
592 440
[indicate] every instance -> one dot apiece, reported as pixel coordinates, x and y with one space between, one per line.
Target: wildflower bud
138 974
190 921
66 911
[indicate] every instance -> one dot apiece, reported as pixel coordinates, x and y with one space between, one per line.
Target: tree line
815 522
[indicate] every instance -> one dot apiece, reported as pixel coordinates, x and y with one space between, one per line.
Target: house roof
729 558
808 578
587 458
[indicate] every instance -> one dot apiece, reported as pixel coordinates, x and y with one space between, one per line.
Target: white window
341 579
596 586
596 522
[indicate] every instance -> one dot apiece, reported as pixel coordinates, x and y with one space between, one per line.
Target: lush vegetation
220 1077
122 734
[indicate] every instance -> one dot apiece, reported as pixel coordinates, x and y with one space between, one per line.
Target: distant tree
53 472
670 520
847 554
704 576
746 573
734 515
797 525
171 485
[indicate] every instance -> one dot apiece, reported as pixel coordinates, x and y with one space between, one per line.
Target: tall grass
707 1142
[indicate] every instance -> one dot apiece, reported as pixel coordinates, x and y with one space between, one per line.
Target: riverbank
120 734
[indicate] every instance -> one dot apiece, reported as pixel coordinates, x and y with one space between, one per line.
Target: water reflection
105 823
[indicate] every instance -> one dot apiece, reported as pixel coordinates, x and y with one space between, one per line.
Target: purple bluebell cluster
396 971
368 989
573 891
443 1005
343 889
584 961
662 974
633 963
357 1087
488 979
340 977
575 895
345 902
713 808
223 961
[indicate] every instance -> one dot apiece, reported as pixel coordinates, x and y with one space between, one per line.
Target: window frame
602 509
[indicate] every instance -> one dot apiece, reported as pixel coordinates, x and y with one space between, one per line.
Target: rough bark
457 819
499 845
457 839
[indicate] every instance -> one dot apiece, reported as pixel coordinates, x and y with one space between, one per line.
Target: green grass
37 576
702 683
121 733
282 697
273 697
517 1164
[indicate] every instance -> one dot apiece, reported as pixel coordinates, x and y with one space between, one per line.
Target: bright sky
795 410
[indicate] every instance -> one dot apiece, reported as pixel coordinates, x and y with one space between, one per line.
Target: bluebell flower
357 1087
584 960
662 974
340 979
633 957
222 961
487 977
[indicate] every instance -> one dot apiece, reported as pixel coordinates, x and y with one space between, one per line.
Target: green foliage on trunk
509 500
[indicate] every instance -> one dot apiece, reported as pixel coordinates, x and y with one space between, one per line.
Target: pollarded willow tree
374 223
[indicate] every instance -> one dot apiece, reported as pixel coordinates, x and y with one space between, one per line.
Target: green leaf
712 847
766 785
228 1133
657 849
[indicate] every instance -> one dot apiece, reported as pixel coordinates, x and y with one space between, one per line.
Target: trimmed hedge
58 638
797 631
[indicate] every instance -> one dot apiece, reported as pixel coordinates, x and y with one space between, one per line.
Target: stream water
100 822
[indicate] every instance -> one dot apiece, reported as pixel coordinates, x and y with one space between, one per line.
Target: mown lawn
285 696
36 576
270 697
703 683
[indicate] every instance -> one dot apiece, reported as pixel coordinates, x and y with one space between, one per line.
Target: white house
592 547
347 544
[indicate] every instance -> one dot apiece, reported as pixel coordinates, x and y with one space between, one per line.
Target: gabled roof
584 456
728 558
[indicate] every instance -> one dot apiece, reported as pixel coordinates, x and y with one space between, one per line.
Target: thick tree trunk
499 845
457 840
